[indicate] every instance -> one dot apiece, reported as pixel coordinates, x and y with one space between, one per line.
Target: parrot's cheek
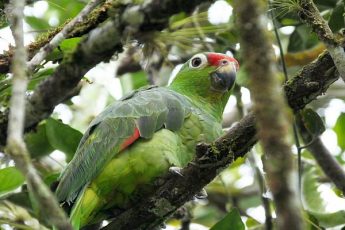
222 81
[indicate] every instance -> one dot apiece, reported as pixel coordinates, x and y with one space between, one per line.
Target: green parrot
140 137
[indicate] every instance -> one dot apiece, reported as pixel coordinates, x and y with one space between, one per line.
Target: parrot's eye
198 61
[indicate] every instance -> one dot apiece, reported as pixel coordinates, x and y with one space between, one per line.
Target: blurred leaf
68 45
315 204
339 129
133 81
336 21
37 142
296 42
311 197
39 76
232 221
63 137
250 223
312 122
37 23
301 39
328 4
49 179
65 47
6 83
21 198
10 179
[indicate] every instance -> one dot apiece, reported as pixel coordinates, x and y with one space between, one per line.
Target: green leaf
336 21
65 47
314 203
232 221
6 83
301 39
68 45
37 142
296 42
339 129
63 137
10 179
133 81
311 197
37 23
312 122
49 179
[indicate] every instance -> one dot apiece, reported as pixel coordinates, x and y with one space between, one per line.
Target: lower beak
223 78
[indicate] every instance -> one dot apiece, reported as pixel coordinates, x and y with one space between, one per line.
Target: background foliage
150 61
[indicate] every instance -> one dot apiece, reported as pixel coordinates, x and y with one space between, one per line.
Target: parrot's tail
84 210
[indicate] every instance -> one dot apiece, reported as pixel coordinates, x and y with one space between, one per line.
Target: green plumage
171 121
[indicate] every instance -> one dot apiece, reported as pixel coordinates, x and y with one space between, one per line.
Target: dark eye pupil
196 62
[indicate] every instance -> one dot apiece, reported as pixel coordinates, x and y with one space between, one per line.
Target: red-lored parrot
138 138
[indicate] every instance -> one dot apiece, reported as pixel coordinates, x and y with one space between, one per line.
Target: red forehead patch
214 58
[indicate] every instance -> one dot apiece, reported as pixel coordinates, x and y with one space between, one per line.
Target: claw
201 195
176 170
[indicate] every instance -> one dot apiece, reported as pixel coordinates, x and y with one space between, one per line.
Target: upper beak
224 77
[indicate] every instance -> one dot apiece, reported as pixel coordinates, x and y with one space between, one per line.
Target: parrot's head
207 78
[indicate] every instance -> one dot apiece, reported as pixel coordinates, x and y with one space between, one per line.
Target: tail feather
85 209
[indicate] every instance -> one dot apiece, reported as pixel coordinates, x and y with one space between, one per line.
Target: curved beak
223 78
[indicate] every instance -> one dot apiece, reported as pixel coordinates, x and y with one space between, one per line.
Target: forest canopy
278 165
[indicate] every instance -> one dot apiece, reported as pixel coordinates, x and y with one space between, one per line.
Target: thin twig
254 162
58 38
15 144
309 13
323 157
263 190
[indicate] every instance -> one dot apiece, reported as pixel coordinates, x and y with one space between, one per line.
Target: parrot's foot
201 195
176 171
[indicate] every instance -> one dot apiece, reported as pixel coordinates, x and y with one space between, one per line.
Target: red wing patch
130 140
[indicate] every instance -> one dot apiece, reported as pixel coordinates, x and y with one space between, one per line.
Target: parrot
138 138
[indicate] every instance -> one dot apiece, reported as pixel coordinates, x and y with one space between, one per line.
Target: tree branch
15 144
270 110
311 15
59 37
323 157
96 17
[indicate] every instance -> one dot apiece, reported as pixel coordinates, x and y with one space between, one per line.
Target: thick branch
309 13
270 110
15 144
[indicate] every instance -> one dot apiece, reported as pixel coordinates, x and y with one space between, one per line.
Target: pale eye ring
198 61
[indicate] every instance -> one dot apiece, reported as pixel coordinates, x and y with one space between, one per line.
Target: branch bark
96 17
309 13
15 144
59 37
270 110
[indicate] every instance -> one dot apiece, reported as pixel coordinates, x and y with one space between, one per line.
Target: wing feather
147 110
